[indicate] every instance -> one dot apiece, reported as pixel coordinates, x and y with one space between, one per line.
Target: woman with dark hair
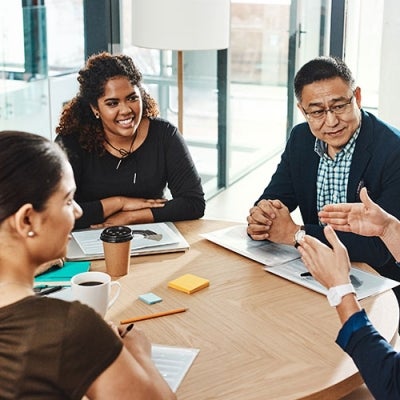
50 348
122 154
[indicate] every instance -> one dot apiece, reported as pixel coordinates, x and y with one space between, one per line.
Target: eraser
150 298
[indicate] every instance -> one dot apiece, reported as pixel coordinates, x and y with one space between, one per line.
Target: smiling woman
122 154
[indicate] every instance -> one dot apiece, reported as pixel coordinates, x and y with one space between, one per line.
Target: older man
340 149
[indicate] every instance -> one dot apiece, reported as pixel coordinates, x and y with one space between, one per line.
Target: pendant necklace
124 153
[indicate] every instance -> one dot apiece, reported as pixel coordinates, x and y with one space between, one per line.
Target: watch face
299 235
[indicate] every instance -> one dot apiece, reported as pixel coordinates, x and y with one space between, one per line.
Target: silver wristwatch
298 236
336 293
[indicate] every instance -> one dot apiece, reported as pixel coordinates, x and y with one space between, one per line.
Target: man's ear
23 220
302 110
357 95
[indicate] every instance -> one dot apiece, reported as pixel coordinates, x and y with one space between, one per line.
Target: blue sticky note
150 298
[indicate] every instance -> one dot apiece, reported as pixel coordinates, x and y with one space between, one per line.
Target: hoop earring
31 234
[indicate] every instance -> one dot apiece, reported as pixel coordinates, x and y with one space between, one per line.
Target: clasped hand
271 220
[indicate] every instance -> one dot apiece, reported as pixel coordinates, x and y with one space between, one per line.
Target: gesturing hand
365 218
329 266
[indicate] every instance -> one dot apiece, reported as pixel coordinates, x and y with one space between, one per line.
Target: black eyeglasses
337 109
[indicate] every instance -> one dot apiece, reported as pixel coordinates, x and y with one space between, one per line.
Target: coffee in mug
91 283
117 249
94 289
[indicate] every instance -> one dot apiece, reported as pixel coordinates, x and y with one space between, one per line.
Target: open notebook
155 238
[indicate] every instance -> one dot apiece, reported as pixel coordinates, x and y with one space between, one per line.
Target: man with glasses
328 160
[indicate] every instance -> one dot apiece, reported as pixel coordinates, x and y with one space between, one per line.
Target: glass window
362 44
65 35
42 48
258 82
11 36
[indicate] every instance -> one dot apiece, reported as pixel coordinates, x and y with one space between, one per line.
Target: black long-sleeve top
163 160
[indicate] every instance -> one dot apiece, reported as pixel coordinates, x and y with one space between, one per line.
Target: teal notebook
62 275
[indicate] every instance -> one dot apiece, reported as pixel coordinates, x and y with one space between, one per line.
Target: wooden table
260 336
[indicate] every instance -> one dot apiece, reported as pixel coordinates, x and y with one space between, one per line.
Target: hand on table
271 220
260 219
133 204
143 216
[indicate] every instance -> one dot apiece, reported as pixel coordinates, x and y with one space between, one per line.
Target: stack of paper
173 362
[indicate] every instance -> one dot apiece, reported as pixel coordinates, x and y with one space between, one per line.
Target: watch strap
336 293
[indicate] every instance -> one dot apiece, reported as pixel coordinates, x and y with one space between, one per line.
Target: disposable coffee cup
96 290
117 249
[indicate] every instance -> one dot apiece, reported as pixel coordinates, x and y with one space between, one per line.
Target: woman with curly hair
123 155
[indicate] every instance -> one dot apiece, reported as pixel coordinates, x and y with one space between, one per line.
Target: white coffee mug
94 289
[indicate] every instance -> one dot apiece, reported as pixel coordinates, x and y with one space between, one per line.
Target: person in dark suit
329 159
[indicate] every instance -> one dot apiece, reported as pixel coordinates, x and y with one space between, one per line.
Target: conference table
260 336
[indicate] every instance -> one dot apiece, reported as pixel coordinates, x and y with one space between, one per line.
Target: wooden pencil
155 315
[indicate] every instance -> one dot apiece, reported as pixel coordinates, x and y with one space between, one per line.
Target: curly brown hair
77 116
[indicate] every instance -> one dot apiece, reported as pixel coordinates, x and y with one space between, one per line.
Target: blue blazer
377 361
375 165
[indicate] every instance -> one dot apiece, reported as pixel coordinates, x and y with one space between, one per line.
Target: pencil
155 315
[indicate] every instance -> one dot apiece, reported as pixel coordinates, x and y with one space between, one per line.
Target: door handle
301 32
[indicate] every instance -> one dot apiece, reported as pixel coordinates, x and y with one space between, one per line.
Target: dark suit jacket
375 165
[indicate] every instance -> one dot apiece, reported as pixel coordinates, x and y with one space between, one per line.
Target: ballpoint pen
49 290
125 332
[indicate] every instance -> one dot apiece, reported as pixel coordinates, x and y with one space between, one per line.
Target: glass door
309 38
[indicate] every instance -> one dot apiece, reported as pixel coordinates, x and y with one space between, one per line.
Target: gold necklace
124 153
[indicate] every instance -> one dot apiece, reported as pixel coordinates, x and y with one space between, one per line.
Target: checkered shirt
333 174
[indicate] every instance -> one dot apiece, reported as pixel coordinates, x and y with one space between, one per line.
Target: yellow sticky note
189 283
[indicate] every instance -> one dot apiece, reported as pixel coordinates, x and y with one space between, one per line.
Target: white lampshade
181 24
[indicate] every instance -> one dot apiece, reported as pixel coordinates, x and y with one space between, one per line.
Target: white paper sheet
173 362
